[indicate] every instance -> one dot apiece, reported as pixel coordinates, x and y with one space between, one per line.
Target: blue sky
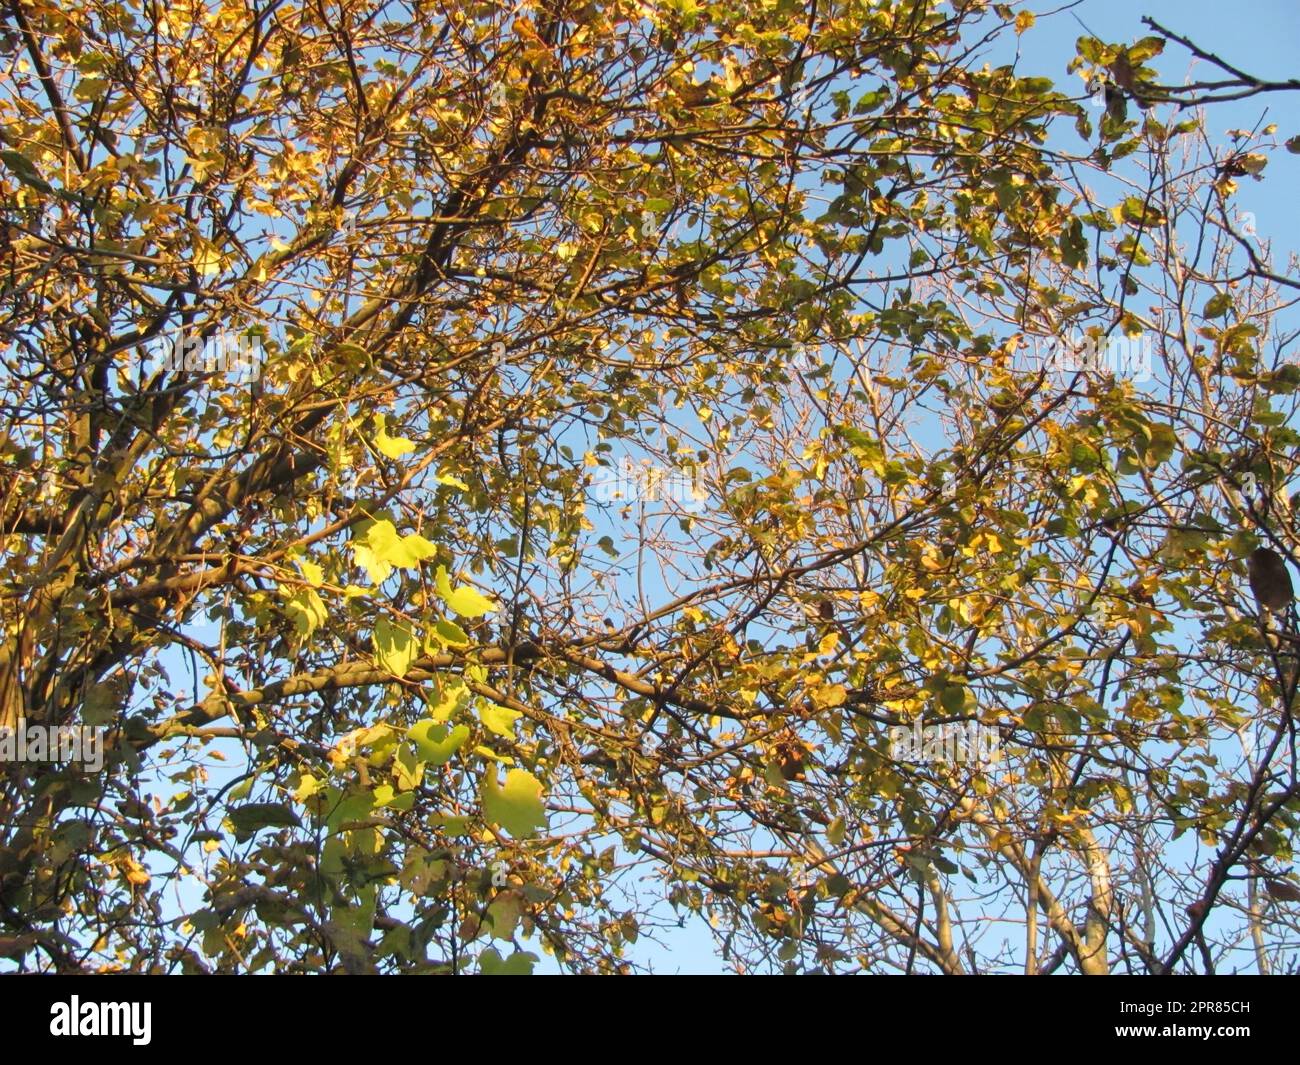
1261 37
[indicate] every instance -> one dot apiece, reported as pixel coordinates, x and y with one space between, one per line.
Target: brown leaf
1282 891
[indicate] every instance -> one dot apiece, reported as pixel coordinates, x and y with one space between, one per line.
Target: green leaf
502 917
1145 49
25 171
869 101
518 964
351 926
1074 246
376 568
1285 379
953 698
864 448
465 601
1161 446
455 825
408 770
1136 211
434 743
354 356
469 603
252 816
498 719
352 808
387 798
395 647
101 704
1217 306
838 885
452 695
451 634
516 807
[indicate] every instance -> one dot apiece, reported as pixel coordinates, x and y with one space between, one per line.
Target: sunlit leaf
394 447
517 805
436 743
395 646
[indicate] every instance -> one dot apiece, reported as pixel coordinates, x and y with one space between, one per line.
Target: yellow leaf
828 695
207 258
305 609
454 482
392 446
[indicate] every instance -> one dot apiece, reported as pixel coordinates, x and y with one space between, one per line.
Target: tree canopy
648 412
